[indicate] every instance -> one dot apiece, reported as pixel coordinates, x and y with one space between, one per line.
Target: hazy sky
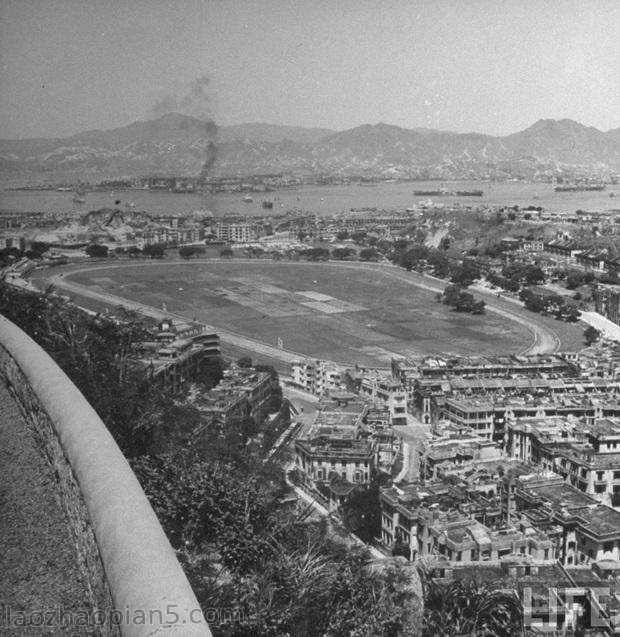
492 66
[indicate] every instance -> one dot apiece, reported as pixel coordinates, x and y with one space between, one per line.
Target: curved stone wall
131 569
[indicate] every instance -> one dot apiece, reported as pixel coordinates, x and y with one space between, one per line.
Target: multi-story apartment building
584 530
316 376
481 366
489 417
384 390
175 350
444 453
436 520
235 232
428 380
337 459
242 393
586 455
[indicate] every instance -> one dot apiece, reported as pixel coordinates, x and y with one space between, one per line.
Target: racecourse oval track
346 312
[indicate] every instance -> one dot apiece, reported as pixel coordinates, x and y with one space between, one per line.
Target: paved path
38 558
607 328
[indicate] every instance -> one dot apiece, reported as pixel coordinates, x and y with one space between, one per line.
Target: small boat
248 199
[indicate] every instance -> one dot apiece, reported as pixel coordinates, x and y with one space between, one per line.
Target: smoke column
194 100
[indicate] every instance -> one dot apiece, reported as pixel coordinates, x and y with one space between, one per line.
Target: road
544 340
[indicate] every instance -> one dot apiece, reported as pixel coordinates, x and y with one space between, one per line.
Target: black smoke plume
194 100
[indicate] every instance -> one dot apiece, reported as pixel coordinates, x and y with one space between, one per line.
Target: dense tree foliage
96 251
242 549
461 300
553 304
465 274
457 608
361 512
94 352
154 251
503 282
369 254
591 335
342 253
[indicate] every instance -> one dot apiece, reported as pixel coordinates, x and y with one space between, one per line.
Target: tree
591 335
186 252
451 295
95 352
317 254
96 251
226 252
342 253
570 313
465 302
210 372
369 254
245 362
465 274
465 607
154 250
478 307
574 279
37 250
534 275
361 512
342 235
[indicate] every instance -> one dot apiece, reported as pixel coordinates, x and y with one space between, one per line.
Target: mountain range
178 144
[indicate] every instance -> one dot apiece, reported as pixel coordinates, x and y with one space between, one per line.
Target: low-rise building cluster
173 351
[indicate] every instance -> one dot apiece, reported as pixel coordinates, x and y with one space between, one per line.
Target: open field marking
316 296
319 306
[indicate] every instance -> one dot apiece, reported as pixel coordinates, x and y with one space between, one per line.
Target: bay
322 200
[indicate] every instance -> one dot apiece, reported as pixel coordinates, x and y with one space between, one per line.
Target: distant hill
271 133
177 144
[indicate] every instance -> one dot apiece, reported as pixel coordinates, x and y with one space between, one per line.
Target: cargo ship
579 187
432 193
448 193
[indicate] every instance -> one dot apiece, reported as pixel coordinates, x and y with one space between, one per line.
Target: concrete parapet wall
128 563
